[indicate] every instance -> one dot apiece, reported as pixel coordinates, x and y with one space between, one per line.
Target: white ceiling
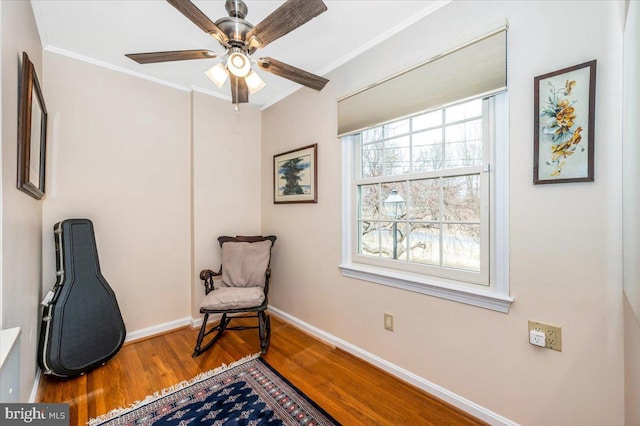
102 31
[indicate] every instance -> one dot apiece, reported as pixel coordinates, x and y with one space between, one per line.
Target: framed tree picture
564 104
295 176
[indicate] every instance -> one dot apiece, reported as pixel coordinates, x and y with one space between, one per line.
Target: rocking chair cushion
244 264
233 298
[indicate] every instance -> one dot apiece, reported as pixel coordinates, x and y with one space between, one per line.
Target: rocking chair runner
239 287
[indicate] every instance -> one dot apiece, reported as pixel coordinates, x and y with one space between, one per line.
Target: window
425 176
419 194
426 203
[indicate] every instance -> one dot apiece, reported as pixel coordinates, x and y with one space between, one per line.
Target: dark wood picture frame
295 176
32 132
564 117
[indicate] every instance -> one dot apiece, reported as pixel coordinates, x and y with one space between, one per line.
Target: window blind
475 68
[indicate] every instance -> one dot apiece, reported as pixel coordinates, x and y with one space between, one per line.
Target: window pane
464 111
428 120
461 247
396 206
372 135
463 144
424 201
371 160
427 151
369 238
368 207
388 239
393 233
461 198
396 128
424 244
396 158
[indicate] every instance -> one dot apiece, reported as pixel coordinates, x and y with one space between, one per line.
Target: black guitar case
82 327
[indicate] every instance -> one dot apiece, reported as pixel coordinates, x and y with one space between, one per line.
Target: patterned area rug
247 392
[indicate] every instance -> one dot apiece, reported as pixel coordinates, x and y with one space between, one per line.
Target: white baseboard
36 385
157 329
197 322
421 383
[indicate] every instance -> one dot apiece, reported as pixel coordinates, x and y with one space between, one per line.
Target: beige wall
307 282
119 155
565 266
631 207
226 180
21 225
161 173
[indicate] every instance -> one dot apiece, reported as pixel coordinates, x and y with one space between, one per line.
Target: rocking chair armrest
208 273
207 276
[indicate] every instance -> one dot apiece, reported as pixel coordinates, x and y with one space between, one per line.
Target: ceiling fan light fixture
218 74
254 82
238 64
240 40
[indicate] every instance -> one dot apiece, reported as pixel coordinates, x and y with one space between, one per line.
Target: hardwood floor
351 390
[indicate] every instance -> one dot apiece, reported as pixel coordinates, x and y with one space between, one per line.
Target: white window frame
493 296
474 278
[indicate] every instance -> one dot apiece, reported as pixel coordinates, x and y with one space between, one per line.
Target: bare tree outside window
431 160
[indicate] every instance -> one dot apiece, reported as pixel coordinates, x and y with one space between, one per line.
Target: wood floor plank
350 389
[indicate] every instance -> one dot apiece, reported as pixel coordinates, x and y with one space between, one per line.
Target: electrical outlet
388 322
553 334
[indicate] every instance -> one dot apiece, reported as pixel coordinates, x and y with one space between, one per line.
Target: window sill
481 297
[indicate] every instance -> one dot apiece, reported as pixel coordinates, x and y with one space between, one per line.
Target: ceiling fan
240 40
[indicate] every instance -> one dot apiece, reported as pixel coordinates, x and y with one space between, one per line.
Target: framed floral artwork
564 103
295 176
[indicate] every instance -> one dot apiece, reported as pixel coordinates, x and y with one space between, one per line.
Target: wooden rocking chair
239 287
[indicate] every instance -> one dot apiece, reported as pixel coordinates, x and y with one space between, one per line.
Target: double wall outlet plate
553 334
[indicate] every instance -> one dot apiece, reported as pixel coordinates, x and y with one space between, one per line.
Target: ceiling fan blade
292 73
196 16
239 90
176 55
283 20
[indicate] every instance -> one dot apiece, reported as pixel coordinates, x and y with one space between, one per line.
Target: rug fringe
164 392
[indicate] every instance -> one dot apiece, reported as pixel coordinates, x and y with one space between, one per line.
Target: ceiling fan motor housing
234 26
236 8
235 29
